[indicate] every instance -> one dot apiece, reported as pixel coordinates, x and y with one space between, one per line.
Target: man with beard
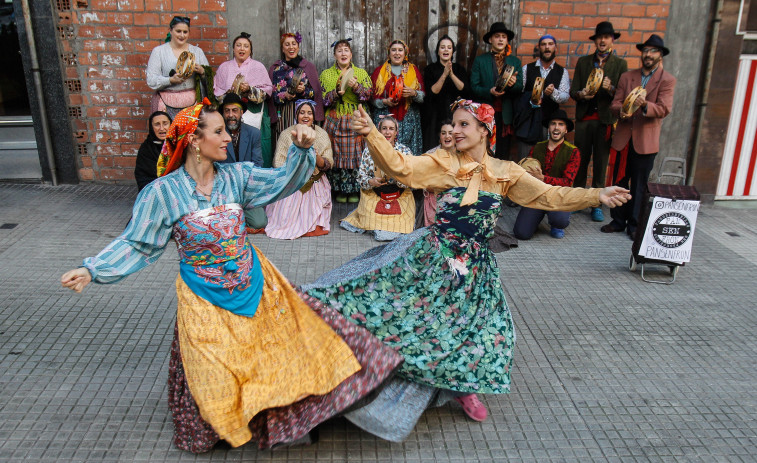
245 145
559 162
245 142
637 137
556 87
484 74
594 121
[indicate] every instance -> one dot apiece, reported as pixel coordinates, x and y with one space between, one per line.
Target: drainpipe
38 89
702 106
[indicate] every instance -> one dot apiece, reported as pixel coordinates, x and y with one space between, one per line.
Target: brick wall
111 41
572 22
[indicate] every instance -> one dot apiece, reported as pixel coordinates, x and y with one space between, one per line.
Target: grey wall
261 19
686 37
56 99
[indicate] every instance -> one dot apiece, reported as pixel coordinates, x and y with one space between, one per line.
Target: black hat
560 115
605 28
232 98
499 27
654 41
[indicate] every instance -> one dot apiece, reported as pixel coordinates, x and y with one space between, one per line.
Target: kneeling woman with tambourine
386 206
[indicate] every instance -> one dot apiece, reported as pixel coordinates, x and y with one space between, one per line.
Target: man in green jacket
484 75
594 121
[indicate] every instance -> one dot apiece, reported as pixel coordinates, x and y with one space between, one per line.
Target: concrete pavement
607 367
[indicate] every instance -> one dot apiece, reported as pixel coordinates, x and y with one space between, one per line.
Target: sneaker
597 215
353 198
558 233
473 407
341 198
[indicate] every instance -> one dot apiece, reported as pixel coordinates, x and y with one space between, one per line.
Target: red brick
158 33
214 33
634 11
211 5
609 9
546 20
560 8
103 98
571 22
585 9
131 5
72 72
126 161
103 5
86 174
146 19
85 161
621 23
92 17
535 7
184 5
158 5
121 18
136 32
113 59
221 47
104 161
85 31
132 73
75 99
644 24
133 59
93 45
221 20
135 98
115 174
657 11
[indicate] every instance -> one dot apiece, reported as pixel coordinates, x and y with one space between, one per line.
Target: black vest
548 105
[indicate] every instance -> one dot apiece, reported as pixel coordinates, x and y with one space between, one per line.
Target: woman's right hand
376 182
361 122
303 136
76 279
176 79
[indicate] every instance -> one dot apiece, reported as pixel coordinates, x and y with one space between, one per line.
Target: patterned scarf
499 58
386 81
602 58
185 122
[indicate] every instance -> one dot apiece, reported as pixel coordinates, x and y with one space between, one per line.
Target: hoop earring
199 159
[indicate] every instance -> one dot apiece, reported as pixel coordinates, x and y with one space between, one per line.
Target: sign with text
670 230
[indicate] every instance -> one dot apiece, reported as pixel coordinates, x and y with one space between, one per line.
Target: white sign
670 230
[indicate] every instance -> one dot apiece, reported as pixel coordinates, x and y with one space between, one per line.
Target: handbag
388 203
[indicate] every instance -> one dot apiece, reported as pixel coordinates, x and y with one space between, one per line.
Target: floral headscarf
185 122
483 112
299 104
474 171
297 37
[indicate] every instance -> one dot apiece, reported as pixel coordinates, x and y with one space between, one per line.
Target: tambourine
396 93
594 82
257 95
630 104
299 73
344 78
530 164
504 76
185 65
237 84
537 90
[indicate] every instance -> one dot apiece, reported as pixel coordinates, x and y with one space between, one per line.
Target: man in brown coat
636 140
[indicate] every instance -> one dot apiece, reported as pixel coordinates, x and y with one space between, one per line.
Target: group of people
415 105
412 324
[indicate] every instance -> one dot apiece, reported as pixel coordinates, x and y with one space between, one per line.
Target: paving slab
607 367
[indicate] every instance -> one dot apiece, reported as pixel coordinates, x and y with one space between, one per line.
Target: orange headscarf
172 153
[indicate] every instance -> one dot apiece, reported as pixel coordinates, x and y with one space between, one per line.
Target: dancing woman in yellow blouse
435 295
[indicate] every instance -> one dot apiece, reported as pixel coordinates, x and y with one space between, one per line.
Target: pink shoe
473 407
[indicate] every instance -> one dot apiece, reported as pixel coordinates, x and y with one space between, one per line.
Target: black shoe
610 228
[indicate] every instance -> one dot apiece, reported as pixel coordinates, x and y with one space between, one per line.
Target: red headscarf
172 153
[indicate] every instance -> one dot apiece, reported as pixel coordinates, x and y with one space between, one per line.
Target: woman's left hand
199 70
409 92
303 136
613 196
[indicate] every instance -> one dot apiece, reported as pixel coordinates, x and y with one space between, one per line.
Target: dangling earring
199 159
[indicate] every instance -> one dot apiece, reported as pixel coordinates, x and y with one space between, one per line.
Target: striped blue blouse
164 201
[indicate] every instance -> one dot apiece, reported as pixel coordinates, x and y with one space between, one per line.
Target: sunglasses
181 19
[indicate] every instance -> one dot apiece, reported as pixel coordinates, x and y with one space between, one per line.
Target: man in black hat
245 142
637 137
556 90
559 161
245 145
594 120
486 70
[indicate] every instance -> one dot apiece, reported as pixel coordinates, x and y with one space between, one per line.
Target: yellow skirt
365 215
237 366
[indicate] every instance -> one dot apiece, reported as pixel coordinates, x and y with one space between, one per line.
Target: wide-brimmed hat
654 41
499 27
560 115
232 98
605 28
